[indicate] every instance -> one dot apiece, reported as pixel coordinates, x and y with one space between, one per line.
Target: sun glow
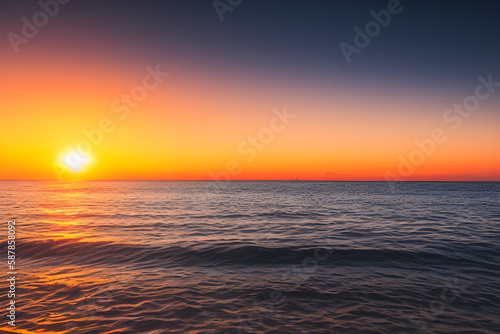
76 161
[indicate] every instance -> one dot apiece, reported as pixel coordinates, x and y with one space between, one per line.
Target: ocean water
255 257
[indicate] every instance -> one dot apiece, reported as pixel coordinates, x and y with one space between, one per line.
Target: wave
103 252
252 216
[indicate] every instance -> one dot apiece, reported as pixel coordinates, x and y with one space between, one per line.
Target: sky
257 90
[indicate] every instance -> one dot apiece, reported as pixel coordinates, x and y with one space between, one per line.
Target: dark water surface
257 257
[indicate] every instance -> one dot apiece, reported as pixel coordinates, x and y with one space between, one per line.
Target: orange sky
191 125
200 118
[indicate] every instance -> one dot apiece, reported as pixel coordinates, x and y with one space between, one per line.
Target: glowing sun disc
75 161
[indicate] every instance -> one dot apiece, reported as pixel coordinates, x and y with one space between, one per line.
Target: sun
76 161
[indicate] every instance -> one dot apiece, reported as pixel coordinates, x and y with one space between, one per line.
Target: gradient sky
352 121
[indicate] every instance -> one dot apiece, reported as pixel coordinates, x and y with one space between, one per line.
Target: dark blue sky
430 44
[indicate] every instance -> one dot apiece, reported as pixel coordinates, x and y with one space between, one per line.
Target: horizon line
239 180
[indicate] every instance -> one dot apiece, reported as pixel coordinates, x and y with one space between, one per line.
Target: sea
270 257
